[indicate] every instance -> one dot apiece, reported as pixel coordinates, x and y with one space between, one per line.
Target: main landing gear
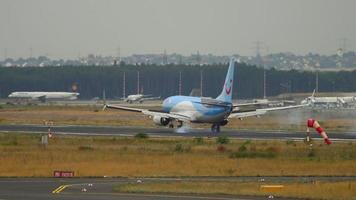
215 128
179 124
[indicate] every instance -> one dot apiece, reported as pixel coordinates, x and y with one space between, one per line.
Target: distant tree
163 80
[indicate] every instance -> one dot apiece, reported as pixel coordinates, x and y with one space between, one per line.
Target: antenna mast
201 82
180 83
124 86
138 82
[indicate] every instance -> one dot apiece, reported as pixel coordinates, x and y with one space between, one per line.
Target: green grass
23 155
318 190
141 136
222 140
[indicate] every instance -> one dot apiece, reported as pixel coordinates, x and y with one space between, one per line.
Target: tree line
163 80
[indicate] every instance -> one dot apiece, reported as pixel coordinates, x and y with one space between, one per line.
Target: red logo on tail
228 89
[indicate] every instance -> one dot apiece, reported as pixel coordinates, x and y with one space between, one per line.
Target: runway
86 188
102 188
159 132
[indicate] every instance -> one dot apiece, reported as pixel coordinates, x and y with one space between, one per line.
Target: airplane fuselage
342 101
140 98
200 110
45 95
134 97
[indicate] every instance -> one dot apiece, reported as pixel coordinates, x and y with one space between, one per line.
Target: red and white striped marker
49 125
49 132
314 124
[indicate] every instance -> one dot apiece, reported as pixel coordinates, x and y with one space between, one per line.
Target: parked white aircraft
190 109
43 96
328 101
140 98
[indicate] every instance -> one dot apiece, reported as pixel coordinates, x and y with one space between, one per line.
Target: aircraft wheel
215 128
180 124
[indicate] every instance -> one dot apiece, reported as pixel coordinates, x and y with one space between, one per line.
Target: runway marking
168 196
60 189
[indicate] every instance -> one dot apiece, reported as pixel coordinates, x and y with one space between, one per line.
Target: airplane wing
247 104
241 115
41 98
123 108
257 103
152 113
282 108
176 116
261 111
147 95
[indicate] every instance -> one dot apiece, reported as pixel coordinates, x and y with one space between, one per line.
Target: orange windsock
313 123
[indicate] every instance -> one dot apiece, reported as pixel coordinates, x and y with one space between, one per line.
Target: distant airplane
328 101
44 96
188 109
140 98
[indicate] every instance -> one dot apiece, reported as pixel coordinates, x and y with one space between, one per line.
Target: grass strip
315 190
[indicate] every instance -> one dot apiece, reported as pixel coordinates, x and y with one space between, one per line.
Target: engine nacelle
160 121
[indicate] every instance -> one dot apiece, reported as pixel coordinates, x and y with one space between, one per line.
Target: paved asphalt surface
95 188
130 131
102 188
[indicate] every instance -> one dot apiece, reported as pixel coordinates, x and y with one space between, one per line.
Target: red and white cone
313 123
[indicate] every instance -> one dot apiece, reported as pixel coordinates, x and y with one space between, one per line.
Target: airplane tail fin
313 94
309 100
226 93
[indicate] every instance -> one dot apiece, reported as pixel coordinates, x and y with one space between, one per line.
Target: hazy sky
68 28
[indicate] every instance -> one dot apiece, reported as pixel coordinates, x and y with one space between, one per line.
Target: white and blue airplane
188 109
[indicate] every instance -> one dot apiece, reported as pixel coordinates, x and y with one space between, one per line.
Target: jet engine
161 121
